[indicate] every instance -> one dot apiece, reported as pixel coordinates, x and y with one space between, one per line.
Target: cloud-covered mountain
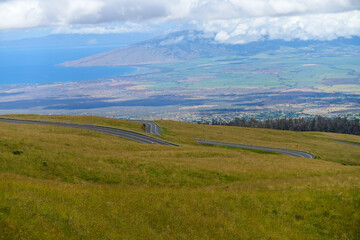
187 45
174 47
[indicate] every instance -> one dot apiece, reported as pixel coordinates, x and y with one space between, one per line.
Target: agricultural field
276 69
297 84
285 82
65 183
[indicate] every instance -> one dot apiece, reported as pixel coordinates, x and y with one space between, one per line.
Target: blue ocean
40 65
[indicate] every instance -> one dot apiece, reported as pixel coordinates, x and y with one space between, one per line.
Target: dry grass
129 125
68 183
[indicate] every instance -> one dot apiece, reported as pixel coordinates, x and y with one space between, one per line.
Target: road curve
151 127
289 152
138 137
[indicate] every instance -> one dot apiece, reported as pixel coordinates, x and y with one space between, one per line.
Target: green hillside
65 183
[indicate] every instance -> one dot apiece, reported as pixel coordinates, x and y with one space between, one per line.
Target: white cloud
232 9
171 41
20 14
32 13
231 20
317 27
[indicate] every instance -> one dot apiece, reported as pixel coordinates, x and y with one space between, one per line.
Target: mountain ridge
187 45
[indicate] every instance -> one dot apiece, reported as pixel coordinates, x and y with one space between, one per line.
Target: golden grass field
65 183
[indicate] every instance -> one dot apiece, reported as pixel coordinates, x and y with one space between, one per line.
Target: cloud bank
234 21
312 27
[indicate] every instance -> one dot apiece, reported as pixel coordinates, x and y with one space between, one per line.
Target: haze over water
40 65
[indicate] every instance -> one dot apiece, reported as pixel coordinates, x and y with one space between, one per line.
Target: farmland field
287 82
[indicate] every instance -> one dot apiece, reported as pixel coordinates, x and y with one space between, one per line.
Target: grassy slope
134 126
79 184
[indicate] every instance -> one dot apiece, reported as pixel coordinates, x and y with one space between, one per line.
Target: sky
231 21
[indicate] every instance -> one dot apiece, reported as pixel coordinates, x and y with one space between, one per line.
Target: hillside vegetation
318 124
65 183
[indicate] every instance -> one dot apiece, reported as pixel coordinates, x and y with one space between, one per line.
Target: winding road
138 137
151 127
289 152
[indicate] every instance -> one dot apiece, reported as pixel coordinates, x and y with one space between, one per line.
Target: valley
180 119
286 82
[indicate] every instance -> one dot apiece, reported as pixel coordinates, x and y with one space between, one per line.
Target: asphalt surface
151 127
138 137
348 143
289 152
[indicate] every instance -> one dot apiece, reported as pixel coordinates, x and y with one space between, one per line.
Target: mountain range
187 45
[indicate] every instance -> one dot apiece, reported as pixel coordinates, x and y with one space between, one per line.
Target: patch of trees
318 124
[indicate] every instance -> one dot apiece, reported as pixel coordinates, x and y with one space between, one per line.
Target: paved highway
289 152
154 129
348 143
138 137
151 127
